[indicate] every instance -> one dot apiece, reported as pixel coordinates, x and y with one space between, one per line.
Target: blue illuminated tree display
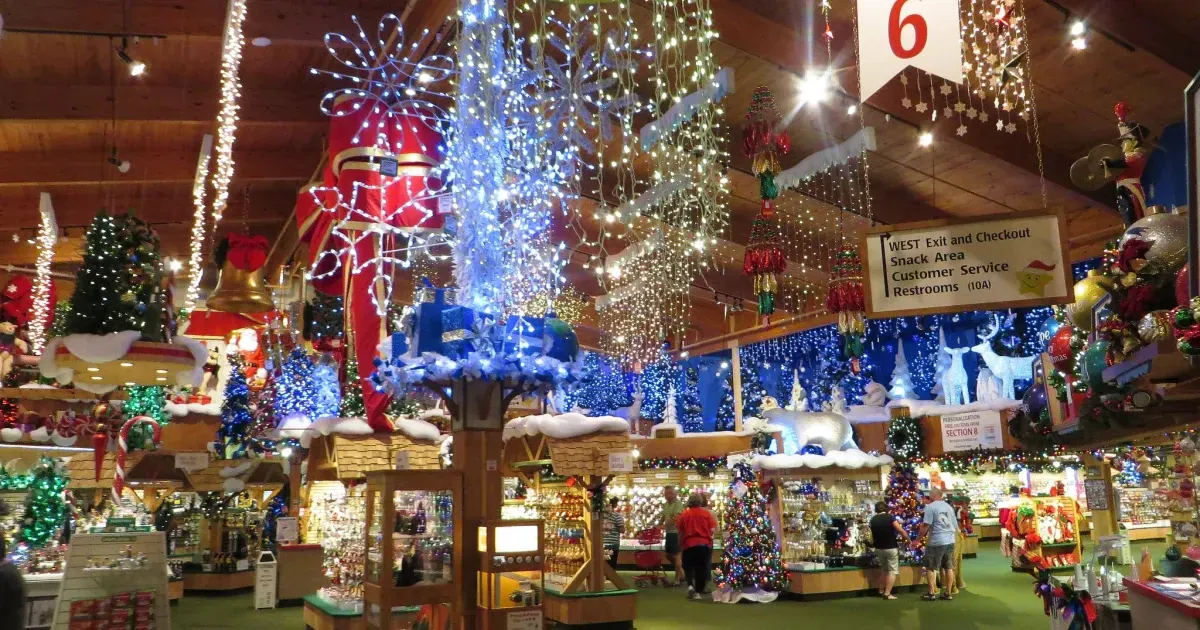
691 413
327 391
752 391
602 387
725 415
294 392
237 419
656 379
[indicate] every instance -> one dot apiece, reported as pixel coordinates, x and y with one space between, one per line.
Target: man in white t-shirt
941 526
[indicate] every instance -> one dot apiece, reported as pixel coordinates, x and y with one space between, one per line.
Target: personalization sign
972 430
191 462
1003 261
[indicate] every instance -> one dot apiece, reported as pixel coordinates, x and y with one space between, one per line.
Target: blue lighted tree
294 393
327 391
655 381
602 386
725 415
237 419
691 412
752 390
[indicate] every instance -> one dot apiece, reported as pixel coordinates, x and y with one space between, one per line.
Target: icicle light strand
227 118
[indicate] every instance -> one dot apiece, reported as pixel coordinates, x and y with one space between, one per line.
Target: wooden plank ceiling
58 120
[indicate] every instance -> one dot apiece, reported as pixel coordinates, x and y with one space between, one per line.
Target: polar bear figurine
828 430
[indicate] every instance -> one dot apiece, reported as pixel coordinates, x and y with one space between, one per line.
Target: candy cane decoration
123 450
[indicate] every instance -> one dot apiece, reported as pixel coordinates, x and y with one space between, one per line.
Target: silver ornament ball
1167 234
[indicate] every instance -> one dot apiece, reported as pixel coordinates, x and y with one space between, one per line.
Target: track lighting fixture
136 68
122 165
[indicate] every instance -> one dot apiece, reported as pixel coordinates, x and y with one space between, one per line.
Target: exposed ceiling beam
41 169
1147 26
37 101
787 47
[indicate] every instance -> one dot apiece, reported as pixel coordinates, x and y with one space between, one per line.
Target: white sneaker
691 593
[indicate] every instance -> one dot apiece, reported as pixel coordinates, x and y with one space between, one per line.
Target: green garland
998 460
905 440
706 466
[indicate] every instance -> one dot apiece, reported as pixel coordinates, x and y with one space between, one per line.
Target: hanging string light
227 116
46 238
199 192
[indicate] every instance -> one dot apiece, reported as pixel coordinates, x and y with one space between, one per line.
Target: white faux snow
36 386
236 471
10 435
199 352
436 412
328 425
61 440
40 434
417 429
841 459
562 426
100 348
176 409
685 108
919 408
866 414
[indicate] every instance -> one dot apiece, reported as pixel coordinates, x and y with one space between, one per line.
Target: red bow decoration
1134 249
247 252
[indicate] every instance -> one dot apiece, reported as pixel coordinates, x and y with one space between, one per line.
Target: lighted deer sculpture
954 380
1008 369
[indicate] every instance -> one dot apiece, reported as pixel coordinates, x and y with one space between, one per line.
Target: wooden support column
736 365
294 499
475 452
1104 522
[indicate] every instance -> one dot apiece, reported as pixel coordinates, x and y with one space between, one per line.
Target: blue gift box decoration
427 325
465 330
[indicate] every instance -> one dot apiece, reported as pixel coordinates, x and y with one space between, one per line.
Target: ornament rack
641 495
564 474
1055 548
94 594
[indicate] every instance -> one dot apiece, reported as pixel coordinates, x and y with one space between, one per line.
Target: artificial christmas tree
145 400
45 510
294 391
799 400
119 287
690 409
403 407
655 383
237 418
352 398
602 387
752 391
901 386
327 391
750 560
904 502
725 417
262 410
942 361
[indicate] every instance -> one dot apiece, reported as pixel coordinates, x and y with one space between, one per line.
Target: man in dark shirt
884 529
12 593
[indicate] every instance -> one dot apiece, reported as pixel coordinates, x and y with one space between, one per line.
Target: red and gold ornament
763 140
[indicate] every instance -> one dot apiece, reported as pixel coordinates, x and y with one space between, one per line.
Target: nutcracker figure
1131 198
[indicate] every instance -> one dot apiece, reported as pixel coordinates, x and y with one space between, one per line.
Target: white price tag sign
191 461
662 475
287 530
402 460
620 462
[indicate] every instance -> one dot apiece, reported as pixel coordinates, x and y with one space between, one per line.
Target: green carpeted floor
995 598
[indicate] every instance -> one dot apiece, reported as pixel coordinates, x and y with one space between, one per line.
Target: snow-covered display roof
562 426
866 414
299 427
842 459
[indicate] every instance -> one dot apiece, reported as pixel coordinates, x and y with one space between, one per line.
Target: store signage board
1095 491
287 530
972 430
620 462
1002 261
525 620
191 462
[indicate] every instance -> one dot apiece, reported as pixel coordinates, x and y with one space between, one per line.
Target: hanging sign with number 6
894 34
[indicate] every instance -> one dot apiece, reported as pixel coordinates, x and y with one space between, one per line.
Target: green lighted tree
119 286
45 509
150 401
352 397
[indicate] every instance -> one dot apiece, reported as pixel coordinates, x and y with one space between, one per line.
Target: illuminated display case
510 577
413 544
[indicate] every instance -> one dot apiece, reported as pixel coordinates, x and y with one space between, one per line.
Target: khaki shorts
889 560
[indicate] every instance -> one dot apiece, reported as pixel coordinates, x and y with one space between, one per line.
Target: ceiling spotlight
852 110
136 68
926 139
122 165
1079 43
1078 28
261 42
174 265
815 87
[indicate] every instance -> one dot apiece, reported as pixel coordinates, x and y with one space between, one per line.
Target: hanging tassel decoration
763 140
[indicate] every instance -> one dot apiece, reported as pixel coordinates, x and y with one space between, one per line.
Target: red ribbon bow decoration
247 252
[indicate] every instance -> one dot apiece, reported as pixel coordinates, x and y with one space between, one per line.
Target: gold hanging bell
240 291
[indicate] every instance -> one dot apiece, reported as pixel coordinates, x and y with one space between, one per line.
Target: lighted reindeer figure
1008 369
954 381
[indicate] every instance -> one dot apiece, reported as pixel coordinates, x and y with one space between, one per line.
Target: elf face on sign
1034 278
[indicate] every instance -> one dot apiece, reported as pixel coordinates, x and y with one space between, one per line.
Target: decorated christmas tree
119 286
752 391
237 418
901 386
725 415
262 409
404 407
689 407
294 392
750 559
656 379
325 317
602 387
327 391
45 510
904 502
352 397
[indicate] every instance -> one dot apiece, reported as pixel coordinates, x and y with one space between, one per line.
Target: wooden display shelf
848 581
970 546
218 581
988 532
58 393
175 590
615 609
321 615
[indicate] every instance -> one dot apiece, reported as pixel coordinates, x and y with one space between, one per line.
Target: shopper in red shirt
696 526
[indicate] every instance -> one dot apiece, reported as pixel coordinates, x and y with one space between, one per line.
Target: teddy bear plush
10 346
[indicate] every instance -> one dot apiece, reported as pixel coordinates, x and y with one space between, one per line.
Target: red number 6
896 28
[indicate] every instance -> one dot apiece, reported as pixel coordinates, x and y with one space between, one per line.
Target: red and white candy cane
123 450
